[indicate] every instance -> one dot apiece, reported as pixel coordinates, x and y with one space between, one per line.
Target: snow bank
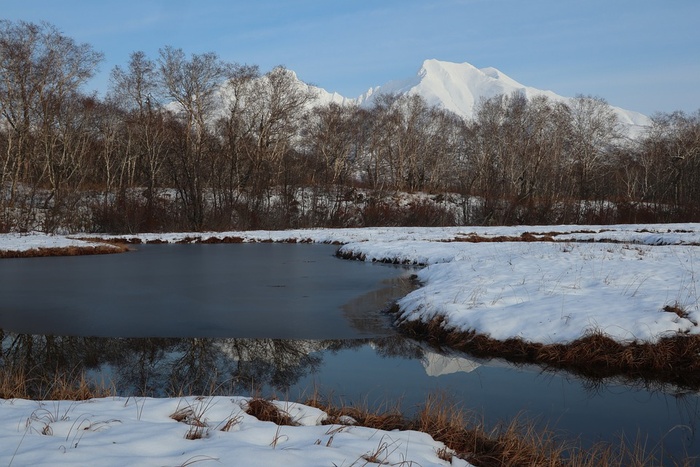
550 292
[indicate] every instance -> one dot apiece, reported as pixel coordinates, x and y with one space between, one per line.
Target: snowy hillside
459 87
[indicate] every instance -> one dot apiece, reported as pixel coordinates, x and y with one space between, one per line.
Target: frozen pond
285 319
249 290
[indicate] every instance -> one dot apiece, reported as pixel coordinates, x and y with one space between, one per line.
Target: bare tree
594 132
672 154
273 110
41 74
147 140
193 84
233 174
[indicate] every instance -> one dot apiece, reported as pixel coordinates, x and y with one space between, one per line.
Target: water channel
286 320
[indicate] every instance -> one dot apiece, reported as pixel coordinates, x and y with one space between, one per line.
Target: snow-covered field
612 279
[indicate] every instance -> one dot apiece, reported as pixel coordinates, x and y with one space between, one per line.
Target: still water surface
249 290
283 320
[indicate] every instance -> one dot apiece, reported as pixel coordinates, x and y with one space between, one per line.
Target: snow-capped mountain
459 87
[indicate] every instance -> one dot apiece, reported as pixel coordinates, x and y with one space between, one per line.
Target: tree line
193 142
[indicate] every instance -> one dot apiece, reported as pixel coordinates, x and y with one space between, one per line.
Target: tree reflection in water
175 366
363 371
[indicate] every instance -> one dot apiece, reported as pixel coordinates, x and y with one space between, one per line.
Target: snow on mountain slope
459 87
456 87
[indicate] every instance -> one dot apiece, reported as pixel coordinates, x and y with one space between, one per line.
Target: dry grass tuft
194 417
392 420
231 422
677 309
389 419
516 444
265 410
213 240
182 414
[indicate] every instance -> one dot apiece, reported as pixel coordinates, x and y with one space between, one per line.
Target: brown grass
674 360
524 237
518 443
362 257
66 251
676 309
209 240
265 410
193 415
15 383
389 420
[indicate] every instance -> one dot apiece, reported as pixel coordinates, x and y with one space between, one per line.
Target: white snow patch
140 432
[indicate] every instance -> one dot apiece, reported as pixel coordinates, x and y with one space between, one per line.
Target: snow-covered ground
613 279
552 292
142 432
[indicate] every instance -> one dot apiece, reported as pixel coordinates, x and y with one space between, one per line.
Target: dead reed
17 383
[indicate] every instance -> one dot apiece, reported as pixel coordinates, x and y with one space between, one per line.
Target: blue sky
641 55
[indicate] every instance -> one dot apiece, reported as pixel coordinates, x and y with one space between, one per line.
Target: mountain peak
434 66
459 87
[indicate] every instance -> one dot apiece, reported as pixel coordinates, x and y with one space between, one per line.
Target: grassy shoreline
672 360
105 249
518 442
